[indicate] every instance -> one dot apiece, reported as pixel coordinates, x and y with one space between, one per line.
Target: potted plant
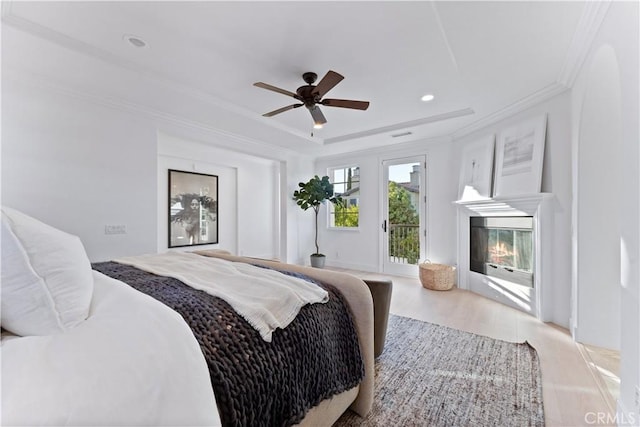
313 194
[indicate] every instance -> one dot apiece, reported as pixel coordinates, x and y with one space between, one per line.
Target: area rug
431 375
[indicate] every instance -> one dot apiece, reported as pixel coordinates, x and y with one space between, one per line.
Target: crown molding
593 14
535 98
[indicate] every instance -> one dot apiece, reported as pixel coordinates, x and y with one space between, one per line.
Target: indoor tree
313 194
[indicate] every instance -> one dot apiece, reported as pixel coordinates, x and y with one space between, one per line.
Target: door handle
384 225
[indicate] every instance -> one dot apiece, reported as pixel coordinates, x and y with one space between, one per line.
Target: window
346 184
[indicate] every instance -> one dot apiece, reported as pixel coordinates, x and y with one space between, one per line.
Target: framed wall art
519 158
193 209
476 172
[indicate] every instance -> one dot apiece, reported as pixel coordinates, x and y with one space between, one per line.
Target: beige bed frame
360 398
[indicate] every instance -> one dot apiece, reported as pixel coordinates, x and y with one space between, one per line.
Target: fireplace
502 247
536 295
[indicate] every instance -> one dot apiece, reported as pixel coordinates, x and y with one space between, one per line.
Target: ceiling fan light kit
310 96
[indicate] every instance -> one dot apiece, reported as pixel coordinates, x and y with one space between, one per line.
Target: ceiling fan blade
318 117
276 89
346 103
327 83
282 110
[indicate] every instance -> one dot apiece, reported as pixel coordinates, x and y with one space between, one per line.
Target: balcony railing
404 243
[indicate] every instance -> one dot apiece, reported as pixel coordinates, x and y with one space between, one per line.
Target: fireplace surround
534 296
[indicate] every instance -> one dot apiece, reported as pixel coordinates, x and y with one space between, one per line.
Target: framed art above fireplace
519 158
476 172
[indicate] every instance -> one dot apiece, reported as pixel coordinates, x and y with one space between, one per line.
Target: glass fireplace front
502 247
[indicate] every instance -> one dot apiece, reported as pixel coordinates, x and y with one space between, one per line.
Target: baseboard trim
351 266
601 385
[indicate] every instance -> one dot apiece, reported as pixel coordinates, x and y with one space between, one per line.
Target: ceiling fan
311 95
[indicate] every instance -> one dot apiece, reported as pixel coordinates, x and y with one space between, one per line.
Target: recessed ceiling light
428 97
317 126
135 41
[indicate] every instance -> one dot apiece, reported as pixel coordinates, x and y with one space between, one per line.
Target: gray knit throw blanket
257 383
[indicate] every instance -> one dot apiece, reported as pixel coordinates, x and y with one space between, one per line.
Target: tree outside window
346 183
404 221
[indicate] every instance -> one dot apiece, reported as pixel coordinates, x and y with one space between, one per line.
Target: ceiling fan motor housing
307 96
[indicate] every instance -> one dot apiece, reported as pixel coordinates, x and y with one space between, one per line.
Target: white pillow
47 283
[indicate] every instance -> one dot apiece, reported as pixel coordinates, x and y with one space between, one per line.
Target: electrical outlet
115 229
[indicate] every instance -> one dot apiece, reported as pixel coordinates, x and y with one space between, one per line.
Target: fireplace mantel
526 204
536 300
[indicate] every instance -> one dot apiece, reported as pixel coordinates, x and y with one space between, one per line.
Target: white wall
556 179
442 190
619 31
361 249
299 224
80 151
356 249
248 194
596 281
79 166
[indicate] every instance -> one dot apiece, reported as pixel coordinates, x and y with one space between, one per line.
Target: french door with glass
403 225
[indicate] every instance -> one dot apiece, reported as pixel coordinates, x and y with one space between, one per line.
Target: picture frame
193 209
476 173
519 158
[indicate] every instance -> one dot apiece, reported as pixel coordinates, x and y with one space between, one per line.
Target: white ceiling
477 58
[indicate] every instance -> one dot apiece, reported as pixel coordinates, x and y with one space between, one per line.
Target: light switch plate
115 229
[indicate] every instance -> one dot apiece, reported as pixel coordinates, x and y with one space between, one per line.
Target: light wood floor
571 393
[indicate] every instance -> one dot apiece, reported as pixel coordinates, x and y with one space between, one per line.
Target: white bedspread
134 361
266 298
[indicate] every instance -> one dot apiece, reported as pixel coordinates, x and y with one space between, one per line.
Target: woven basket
437 277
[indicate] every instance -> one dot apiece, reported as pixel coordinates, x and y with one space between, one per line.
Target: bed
81 347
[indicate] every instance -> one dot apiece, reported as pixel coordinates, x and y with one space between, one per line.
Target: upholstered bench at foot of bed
360 398
381 294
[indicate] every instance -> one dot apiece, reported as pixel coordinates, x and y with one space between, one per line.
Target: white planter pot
317 261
